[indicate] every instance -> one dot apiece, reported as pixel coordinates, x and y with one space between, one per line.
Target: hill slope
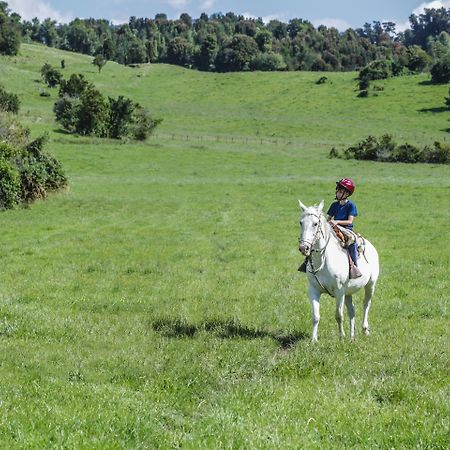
285 105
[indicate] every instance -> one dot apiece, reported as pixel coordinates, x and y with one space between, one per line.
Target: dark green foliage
50 75
82 109
440 72
9 102
9 179
9 31
180 52
322 80
142 124
92 113
269 61
120 114
386 150
67 110
27 172
74 86
447 100
376 70
99 61
418 59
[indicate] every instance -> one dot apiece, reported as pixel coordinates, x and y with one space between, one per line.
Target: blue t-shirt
341 212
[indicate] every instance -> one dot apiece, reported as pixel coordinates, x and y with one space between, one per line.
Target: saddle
347 237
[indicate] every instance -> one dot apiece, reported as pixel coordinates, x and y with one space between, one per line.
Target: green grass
156 303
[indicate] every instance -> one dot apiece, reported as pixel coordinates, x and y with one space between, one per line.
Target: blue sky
341 14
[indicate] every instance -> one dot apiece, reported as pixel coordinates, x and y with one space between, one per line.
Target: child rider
342 212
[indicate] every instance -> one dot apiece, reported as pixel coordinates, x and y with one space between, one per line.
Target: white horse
328 269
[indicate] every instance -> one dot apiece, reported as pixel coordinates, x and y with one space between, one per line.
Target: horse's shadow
224 329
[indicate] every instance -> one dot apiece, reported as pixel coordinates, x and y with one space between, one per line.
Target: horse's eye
315 224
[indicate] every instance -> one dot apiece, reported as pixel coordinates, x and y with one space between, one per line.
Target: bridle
321 251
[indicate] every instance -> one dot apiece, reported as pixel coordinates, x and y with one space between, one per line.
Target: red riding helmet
347 184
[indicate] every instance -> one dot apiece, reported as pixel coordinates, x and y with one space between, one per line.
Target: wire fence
295 142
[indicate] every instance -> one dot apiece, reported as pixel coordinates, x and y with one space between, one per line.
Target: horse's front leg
369 290
340 298
314 296
351 315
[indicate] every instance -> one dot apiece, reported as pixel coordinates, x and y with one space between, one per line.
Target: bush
27 172
50 75
74 86
376 70
9 102
67 111
385 149
143 124
9 185
82 109
440 72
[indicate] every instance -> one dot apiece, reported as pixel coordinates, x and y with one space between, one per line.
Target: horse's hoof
366 331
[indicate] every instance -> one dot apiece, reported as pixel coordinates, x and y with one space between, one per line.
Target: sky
341 14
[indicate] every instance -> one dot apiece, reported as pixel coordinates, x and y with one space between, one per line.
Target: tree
74 86
93 113
179 51
119 117
50 75
207 53
440 72
99 61
418 59
9 31
238 54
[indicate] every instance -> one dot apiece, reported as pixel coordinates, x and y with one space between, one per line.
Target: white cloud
207 4
340 24
431 5
404 25
265 19
28 9
177 4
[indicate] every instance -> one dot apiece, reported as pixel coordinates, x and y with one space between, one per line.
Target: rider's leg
354 271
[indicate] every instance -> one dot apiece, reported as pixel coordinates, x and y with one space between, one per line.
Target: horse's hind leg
369 290
351 315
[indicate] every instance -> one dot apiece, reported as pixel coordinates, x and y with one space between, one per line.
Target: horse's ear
302 206
321 206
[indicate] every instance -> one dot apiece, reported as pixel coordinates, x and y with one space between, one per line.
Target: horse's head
309 226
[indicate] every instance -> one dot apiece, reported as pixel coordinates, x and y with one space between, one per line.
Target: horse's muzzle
305 248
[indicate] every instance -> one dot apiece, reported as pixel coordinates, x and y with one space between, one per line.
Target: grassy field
156 302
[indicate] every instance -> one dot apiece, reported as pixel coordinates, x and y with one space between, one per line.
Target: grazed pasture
156 303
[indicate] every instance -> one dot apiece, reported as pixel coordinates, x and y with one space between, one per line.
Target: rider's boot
354 272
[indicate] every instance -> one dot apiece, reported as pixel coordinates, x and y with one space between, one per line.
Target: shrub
50 75
440 72
385 149
377 70
9 102
26 171
143 124
439 154
67 110
9 185
74 86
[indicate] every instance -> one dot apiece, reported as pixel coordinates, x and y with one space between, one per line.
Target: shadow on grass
224 329
439 109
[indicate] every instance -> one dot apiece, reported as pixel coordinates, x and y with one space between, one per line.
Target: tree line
230 42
